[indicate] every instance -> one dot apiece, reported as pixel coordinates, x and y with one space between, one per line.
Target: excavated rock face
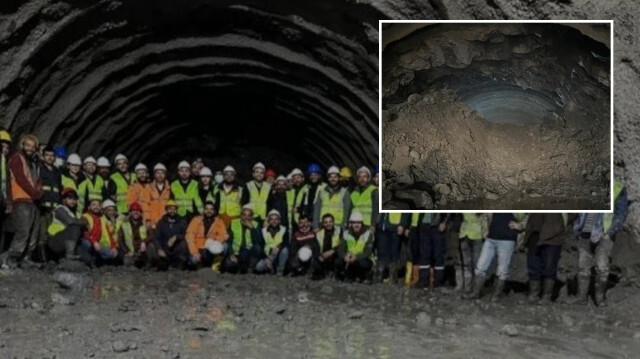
160 80
501 115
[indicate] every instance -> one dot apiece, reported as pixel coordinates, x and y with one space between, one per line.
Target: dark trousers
64 243
359 269
295 246
247 260
388 246
542 262
320 269
432 250
26 222
91 257
206 260
176 256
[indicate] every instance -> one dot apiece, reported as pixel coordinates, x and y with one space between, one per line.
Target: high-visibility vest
363 203
186 199
237 229
69 182
272 241
415 217
395 218
56 225
335 238
333 203
295 200
471 226
136 194
608 217
258 198
156 202
106 232
18 192
122 186
321 187
231 203
354 246
127 231
94 191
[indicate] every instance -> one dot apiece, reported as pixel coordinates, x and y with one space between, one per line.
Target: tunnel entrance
497 116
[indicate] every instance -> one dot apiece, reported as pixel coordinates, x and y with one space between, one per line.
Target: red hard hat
67 192
135 206
269 173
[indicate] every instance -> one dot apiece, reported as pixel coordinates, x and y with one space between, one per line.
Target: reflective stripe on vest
295 200
272 241
354 246
608 217
56 225
363 203
186 200
50 189
230 203
122 186
258 198
68 182
333 203
335 238
106 232
127 230
237 229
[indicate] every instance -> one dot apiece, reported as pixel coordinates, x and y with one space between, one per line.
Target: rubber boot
379 275
478 284
547 291
424 278
459 279
415 276
499 291
534 291
583 291
601 288
393 273
468 282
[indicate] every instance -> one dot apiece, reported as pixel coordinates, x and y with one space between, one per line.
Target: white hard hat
89 159
333 169
247 206
120 157
184 164
108 203
281 178
103 162
296 172
356 217
206 171
363 169
74 159
159 167
214 247
304 254
273 212
141 166
229 169
258 165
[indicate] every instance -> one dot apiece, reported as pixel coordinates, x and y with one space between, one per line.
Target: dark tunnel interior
231 82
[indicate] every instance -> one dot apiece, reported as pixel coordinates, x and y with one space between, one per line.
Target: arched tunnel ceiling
223 79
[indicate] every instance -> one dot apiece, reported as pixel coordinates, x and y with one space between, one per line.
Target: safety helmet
296 172
273 212
376 170
120 157
5 136
89 159
60 151
269 172
159 167
108 203
345 172
103 162
135 206
206 172
213 246
69 192
171 203
314 168
258 165
356 217
184 164
229 169
74 159
304 254
365 170
140 167
332 170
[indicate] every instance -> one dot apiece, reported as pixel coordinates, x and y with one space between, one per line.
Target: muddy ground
127 313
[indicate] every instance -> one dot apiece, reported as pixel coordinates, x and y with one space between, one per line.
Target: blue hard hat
60 151
375 169
314 168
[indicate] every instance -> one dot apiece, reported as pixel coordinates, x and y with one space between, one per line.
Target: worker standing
390 227
26 189
119 183
204 228
276 246
277 200
355 251
184 191
376 177
295 198
136 191
5 183
364 198
92 186
71 176
471 231
51 187
206 188
270 176
346 178
61 156
229 199
258 191
246 244
333 199
314 189
156 196
104 171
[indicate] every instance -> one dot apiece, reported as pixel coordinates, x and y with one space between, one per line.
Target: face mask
218 179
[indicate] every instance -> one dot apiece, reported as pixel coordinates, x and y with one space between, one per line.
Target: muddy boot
415 276
583 291
534 291
459 279
379 274
478 284
468 282
601 288
498 292
547 291
393 273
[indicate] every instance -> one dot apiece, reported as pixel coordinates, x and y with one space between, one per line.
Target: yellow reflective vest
363 202
188 201
122 187
258 198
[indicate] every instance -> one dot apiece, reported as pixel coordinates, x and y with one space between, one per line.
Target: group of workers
65 209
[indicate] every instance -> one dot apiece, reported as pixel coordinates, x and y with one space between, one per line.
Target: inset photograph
496 116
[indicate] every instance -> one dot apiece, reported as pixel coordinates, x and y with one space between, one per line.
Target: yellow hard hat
171 203
5 136
345 172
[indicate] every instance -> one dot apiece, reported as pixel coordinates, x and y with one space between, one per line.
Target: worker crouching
276 246
98 245
207 239
133 238
169 248
245 243
354 260
65 229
